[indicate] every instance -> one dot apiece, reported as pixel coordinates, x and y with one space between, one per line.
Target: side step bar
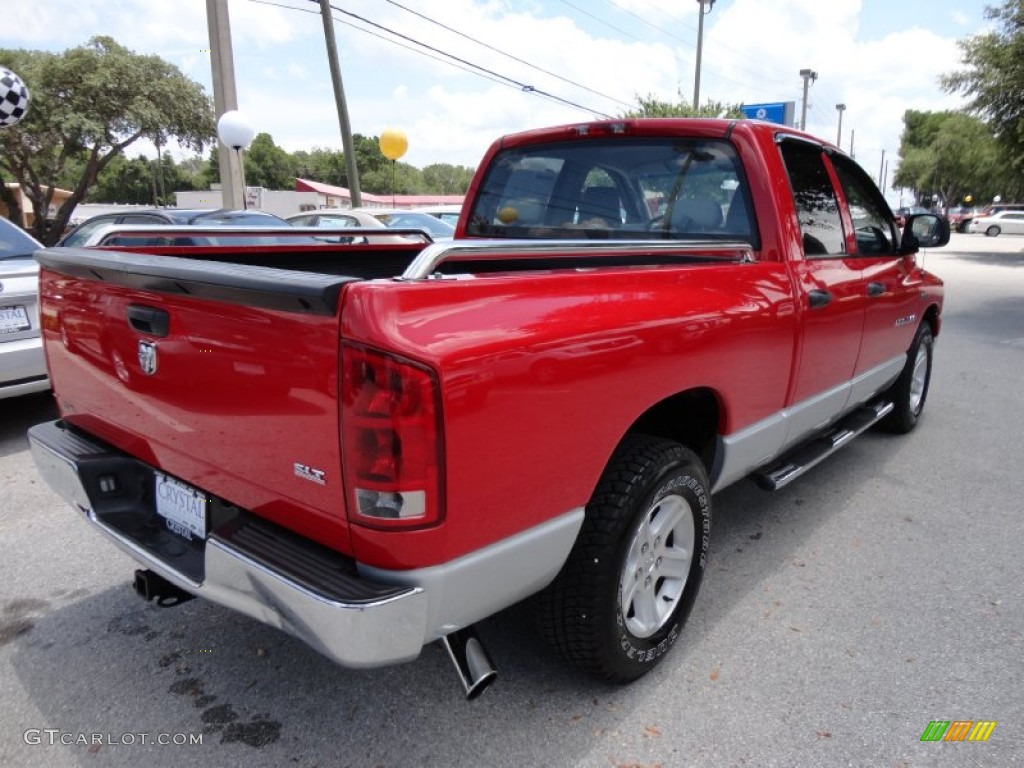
792 465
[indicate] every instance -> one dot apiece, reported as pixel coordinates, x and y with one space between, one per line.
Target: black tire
645 536
992 231
910 390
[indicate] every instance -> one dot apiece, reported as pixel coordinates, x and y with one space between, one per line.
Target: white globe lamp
235 131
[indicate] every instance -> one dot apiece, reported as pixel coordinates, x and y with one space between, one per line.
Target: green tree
267 165
324 165
993 79
446 179
392 178
88 105
953 155
125 180
651 106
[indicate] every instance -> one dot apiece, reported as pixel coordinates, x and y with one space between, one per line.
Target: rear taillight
391 439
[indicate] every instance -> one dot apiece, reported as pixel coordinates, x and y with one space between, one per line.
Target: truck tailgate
223 377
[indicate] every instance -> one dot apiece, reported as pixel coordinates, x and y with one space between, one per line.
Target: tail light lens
391 439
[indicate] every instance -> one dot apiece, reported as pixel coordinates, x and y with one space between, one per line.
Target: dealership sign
781 112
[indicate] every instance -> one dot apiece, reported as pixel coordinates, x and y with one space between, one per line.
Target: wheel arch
691 417
931 316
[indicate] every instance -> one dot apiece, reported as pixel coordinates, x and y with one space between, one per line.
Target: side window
816 205
142 219
336 222
873 225
80 235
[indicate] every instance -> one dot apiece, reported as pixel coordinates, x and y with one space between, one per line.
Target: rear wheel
993 231
911 388
630 582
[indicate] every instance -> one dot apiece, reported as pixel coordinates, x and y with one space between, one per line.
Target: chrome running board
793 464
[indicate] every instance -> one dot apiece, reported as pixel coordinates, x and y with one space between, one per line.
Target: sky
532 63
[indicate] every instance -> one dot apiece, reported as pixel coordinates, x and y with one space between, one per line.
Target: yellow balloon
393 143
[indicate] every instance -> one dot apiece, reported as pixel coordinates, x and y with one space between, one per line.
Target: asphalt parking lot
838 618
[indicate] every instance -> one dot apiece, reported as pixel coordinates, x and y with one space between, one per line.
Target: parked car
22 366
957 214
964 225
336 220
205 217
449 214
1004 222
402 219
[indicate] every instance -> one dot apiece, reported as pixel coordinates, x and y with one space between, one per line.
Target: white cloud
877 57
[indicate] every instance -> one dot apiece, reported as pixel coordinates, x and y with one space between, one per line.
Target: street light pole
700 49
807 75
839 133
225 98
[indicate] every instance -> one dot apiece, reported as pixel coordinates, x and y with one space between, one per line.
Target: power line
385 39
525 87
509 55
660 29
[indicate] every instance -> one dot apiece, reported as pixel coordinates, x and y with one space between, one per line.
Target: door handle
155 322
818 298
876 289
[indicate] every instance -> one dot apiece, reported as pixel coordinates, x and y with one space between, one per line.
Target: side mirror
924 230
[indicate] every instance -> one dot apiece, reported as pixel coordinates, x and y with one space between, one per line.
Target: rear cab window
622 188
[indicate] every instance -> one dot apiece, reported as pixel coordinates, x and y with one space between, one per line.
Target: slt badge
147 357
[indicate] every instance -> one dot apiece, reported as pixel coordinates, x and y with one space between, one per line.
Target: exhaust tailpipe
476 671
152 586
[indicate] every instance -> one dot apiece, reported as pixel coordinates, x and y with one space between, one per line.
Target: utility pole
807 75
852 132
881 169
339 97
700 48
839 133
225 98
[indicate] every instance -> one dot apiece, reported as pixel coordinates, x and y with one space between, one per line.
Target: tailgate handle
149 320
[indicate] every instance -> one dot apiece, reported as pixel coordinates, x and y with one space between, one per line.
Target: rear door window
817 208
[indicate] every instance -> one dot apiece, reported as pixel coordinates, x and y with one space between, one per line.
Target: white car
400 218
363 218
1004 222
22 366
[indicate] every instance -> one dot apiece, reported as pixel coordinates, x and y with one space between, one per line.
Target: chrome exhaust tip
472 663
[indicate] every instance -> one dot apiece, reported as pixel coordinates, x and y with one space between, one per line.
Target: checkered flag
14 98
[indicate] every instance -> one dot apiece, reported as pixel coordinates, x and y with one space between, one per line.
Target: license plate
182 507
13 319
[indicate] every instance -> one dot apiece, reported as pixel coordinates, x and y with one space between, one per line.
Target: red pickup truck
374 446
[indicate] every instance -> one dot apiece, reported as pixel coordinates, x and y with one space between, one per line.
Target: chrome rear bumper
246 563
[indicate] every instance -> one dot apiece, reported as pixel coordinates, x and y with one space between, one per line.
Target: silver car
1004 222
22 367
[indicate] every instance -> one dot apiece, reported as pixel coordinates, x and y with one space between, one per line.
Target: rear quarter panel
542 375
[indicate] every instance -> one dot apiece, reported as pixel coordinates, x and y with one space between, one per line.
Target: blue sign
780 112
